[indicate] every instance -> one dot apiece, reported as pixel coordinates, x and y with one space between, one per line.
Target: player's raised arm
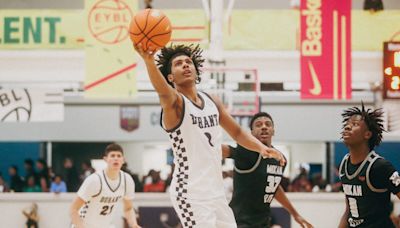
168 95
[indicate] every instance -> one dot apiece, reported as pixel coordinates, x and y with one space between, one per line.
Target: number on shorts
273 183
353 207
106 210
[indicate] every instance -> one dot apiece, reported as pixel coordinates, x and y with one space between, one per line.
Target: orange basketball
151 28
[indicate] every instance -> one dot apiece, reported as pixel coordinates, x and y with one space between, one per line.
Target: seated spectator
58 185
16 182
3 185
87 169
156 184
71 175
31 186
43 174
30 171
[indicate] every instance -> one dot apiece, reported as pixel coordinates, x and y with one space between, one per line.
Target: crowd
39 177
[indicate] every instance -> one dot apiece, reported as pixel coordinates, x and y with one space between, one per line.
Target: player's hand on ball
146 55
273 153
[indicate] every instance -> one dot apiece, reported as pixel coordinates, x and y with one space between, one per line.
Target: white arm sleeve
130 187
90 187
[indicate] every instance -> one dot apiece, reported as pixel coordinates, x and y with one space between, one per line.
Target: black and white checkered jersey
196 143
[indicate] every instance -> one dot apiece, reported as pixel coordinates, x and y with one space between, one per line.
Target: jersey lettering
352 190
205 121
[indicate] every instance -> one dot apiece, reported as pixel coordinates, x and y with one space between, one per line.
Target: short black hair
258 115
373 120
113 147
164 61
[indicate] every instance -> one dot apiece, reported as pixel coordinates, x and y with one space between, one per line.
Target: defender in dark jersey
256 181
367 178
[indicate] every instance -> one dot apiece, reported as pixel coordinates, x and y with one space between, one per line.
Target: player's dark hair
164 61
258 115
113 147
373 119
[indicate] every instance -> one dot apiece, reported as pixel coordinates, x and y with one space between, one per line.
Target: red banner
325 37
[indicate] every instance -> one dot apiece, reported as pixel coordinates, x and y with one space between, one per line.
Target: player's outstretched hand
303 223
273 153
147 55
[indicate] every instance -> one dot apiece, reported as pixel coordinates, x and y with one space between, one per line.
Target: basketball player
367 178
256 181
100 192
193 119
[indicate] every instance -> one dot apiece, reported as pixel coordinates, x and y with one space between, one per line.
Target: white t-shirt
101 194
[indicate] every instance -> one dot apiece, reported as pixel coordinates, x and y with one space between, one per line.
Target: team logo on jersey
129 118
395 178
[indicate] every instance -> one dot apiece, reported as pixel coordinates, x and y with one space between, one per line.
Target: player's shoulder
381 163
94 177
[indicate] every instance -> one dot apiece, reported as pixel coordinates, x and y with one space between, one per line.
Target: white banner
31 105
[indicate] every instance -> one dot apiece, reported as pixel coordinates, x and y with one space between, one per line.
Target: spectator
31 185
156 184
58 185
3 185
135 177
87 169
43 174
16 181
30 171
71 175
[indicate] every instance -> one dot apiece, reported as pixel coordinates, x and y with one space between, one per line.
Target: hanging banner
110 58
31 105
325 39
129 117
41 29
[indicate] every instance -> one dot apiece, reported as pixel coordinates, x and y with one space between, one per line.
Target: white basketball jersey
99 208
196 143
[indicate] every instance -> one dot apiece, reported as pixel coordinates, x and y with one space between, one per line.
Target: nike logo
316 90
208 135
341 175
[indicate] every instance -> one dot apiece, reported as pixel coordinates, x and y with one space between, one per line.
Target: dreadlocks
167 54
373 120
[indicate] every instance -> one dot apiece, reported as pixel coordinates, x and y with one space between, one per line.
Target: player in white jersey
193 121
100 192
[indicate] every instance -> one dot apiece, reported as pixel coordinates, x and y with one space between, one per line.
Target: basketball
151 28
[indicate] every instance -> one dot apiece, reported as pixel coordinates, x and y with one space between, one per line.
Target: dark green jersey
255 181
367 187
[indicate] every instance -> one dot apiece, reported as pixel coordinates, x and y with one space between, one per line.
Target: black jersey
367 187
255 181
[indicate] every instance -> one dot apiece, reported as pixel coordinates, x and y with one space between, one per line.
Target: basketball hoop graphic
108 21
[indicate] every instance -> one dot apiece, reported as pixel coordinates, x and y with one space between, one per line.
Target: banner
325 43
110 58
31 105
41 29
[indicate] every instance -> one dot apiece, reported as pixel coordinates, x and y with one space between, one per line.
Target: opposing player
256 181
193 120
100 192
367 178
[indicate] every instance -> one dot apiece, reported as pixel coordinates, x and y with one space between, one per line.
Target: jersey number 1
106 210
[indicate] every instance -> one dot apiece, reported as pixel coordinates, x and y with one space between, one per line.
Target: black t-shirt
255 181
367 187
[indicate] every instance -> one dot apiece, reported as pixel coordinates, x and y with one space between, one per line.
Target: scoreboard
391 70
